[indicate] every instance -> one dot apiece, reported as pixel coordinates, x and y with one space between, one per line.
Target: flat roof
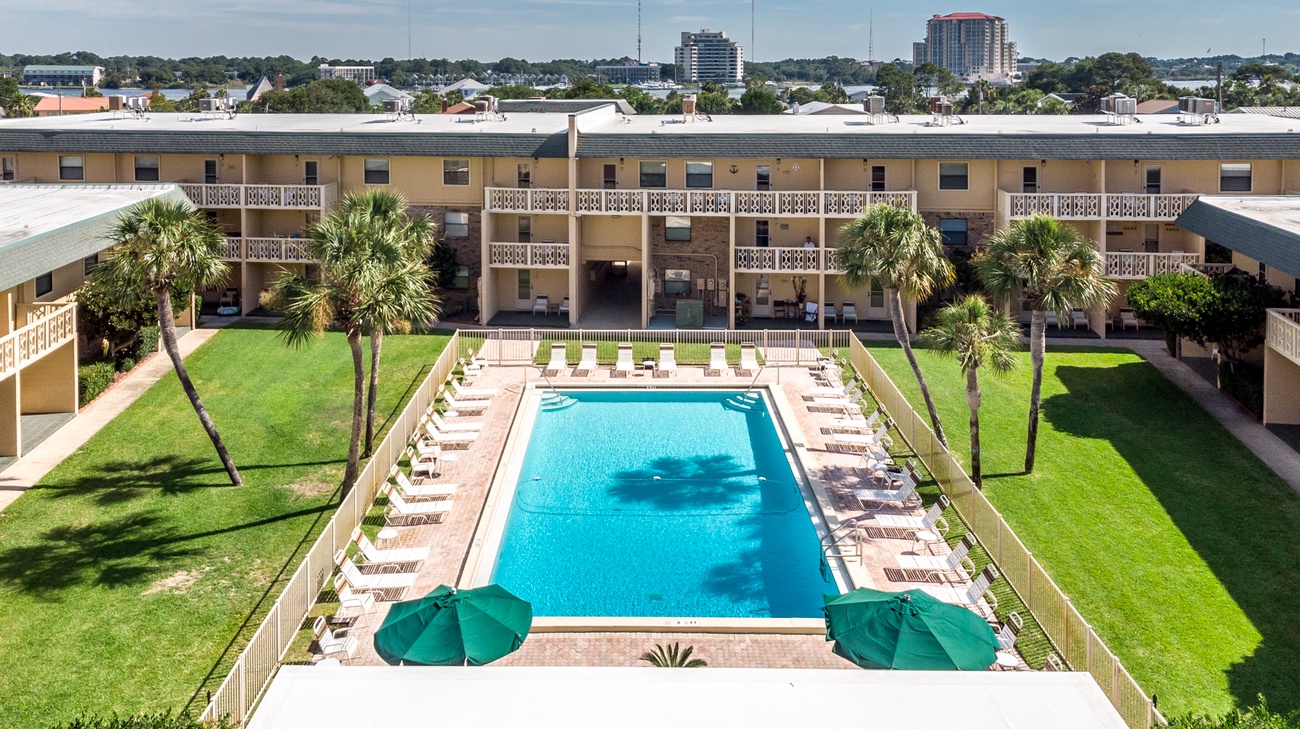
1264 227
43 227
407 697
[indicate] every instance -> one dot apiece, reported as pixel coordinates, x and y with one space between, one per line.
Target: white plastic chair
420 512
849 311
541 304
932 520
362 601
1078 318
395 557
564 306
717 358
748 358
458 426
587 364
887 496
667 359
424 490
557 363
830 311
968 595
954 561
454 405
470 393
624 363
1010 631
381 582
333 642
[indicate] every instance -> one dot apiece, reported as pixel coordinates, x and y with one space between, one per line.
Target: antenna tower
871 35
638 31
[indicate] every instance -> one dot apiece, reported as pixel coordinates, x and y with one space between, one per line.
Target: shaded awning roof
1264 227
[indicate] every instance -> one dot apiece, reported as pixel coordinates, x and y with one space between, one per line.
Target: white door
762 297
876 307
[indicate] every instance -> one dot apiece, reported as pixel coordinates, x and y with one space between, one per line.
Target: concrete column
1281 389
646 288
731 275
11 430
487 303
49 385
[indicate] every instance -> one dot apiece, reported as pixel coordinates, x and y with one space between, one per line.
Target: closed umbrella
908 630
450 627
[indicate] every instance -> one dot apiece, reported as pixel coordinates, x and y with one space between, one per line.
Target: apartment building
709 56
360 74
36 75
543 207
971 45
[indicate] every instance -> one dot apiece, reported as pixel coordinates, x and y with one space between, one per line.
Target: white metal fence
691 346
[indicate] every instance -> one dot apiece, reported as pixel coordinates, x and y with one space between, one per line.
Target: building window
954 176
524 177
89 263
72 167
1029 180
1263 274
953 231
376 172
8 169
525 230
609 177
456 225
763 177
1155 180
460 282
146 169
654 174
677 282
877 178
1234 178
699 174
210 174
455 172
762 236
310 172
44 283
525 285
677 228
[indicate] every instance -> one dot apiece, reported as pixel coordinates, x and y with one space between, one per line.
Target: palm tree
163 247
673 657
894 247
980 336
1054 268
23 105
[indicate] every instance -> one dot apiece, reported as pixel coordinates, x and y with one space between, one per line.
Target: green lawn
1173 540
128 572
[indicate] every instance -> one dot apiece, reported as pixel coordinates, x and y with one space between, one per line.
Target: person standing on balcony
808 242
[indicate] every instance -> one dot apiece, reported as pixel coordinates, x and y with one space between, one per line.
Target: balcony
526 200
1093 206
694 202
778 260
262 197
1134 266
1282 333
528 255
267 250
52 327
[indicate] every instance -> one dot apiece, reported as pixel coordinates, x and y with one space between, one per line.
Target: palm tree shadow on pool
685 483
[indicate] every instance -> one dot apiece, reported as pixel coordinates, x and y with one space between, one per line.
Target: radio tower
871 35
638 32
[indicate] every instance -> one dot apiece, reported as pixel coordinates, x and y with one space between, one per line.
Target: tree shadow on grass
1240 522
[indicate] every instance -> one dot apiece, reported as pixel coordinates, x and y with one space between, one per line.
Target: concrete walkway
42 459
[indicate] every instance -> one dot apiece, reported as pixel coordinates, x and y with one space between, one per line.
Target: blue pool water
658 504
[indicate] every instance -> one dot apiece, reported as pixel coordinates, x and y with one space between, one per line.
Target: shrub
148 343
141 721
1245 384
93 379
126 364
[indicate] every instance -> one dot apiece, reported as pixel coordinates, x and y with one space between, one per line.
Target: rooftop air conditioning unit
392 106
688 104
936 103
874 105
210 106
1126 106
944 108
1110 104
1203 106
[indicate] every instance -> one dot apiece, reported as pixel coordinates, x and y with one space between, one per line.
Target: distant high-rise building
971 45
629 73
710 56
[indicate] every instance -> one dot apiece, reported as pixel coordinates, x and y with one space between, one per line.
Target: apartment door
1154 180
1151 238
1029 180
876 306
763 177
211 175
762 297
310 172
524 298
524 177
877 178
609 177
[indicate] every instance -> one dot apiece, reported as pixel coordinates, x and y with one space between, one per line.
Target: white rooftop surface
366 697
27 211
608 123
1279 211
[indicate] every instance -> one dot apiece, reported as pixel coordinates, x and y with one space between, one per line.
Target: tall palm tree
980 336
894 247
165 246
1054 268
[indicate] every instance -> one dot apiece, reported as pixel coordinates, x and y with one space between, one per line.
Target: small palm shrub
673 656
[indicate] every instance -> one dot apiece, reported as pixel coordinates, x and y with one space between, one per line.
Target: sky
540 30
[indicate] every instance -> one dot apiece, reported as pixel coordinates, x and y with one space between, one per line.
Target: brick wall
711 236
468 253
978 225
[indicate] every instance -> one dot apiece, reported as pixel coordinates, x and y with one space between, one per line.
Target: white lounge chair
1052 319
866 423
564 306
1010 631
471 393
472 367
970 594
1127 318
420 512
1078 318
349 598
411 490
849 311
954 561
394 557
559 350
887 496
458 426
624 364
748 358
717 358
932 520
851 397
333 642
880 435
430 435
454 405
587 364
667 360
830 311
541 304
386 584
837 391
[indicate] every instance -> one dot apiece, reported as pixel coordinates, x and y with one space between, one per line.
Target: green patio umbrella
450 627
907 630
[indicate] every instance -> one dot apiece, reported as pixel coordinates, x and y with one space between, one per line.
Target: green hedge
140 721
93 379
148 344
1245 384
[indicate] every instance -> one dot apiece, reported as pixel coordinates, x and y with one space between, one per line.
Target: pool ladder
748 401
553 399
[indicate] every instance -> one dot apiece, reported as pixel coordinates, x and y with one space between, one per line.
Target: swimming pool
660 503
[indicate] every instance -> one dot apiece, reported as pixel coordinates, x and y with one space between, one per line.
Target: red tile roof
71 104
966 16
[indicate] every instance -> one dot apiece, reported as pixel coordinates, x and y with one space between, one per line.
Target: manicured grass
129 571
1173 540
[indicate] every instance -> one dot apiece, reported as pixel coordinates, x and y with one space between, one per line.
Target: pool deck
832 471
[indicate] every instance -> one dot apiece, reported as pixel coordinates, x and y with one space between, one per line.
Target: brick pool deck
871 553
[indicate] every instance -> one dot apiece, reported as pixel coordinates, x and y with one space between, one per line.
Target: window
1155 178
456 225
1263 276
90 262
953 231
654 174
677 282
72 167
677 228
1234 178
460 282
699 174
8 168
376 172
525 285
609 177
877 178
210 174
761 233
763 177
1029 180
954 176
44 283
146 169
310 172
455 172
525 230
524 177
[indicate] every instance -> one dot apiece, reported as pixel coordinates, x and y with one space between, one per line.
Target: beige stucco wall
980 197
607 238
49 385
1281 389
420 179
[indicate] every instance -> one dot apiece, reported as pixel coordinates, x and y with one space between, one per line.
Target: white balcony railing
276 250
526 200
1094 206
1282 332
611 201
1125 265
778 259
693 202
528 255
266 197
1147 207
233 250
56 327
853 204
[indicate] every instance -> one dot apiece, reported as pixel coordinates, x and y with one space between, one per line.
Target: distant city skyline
540 30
